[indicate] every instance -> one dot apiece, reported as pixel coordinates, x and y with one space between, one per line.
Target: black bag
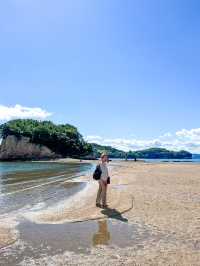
108 180
97 173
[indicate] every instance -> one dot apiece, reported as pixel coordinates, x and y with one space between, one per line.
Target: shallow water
33 186
42 240
30 184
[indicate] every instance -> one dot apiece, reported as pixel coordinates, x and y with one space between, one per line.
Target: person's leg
98 199
104 193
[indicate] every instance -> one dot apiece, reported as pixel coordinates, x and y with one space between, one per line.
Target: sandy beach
161 199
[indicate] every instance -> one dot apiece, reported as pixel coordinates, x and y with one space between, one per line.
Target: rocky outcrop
13 148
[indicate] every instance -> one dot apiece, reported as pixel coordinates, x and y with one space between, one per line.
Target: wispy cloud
18 111
183 139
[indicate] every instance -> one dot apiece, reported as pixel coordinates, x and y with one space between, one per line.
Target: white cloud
183 139
193 134
18 111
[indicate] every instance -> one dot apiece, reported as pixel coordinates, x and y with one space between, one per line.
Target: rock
13 148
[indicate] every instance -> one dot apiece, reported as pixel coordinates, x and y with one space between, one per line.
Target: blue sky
126 73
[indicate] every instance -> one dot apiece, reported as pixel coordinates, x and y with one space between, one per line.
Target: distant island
151 153
112 152
28 139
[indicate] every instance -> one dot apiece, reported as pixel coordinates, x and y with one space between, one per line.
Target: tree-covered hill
110 151
159 153
62 139
152 153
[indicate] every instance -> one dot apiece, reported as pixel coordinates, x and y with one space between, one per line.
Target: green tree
62 139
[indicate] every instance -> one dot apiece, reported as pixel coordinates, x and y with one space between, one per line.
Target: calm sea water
164 160
25 185
174 160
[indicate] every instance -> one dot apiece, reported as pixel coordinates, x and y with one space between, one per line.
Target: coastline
81 206
163 197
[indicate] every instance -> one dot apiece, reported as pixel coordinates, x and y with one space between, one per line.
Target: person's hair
103 155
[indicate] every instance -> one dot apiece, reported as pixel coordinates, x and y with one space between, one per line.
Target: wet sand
7 236
161 199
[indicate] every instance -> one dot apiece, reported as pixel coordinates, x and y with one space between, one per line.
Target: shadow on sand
114 214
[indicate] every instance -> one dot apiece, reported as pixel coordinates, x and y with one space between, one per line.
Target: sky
126 73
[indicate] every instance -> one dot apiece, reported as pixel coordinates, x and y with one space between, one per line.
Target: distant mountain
110 151
160 153
152 153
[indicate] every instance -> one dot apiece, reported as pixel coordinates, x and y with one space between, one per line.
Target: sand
8 235
164 197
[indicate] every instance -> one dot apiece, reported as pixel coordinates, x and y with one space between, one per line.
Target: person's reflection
102 236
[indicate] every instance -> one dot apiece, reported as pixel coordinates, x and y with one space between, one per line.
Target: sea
30 185
193 161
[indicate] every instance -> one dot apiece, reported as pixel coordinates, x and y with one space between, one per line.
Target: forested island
110 151
31 139
159 153
151 153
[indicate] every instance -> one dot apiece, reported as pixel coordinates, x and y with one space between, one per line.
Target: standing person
103 182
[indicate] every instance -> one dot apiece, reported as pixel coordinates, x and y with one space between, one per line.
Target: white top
104 170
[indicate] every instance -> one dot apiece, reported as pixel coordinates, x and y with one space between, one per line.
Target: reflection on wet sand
102 237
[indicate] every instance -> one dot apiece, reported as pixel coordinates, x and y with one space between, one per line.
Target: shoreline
73 160
166 199
81 207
